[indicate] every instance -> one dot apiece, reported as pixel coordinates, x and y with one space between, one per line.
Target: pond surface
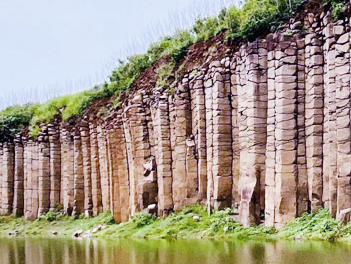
57 251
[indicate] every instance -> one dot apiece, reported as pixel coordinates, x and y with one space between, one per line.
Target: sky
55 47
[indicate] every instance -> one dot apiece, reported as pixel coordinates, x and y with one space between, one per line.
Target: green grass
254 19
191 222
337 8
318 226
52 221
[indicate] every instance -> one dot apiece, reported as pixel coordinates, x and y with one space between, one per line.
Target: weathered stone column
286 131
142 189
343 102
302 184
44 172
18 201
315 105
67 148
330 134
256 99
104 167
271 122
95 170
113 171
243 134
196 190
208 83
86 152
35 180
27 154
123 174
222 142
234 83
55 164
163 157
7 177
78 205
180 129
1 175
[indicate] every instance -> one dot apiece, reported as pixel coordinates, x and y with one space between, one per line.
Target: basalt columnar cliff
263 125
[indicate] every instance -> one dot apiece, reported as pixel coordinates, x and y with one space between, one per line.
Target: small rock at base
196 218
297 237
78 233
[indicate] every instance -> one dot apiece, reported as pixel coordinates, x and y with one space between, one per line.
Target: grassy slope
255 18
319 226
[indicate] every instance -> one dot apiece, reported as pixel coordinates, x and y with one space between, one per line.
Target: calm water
55 251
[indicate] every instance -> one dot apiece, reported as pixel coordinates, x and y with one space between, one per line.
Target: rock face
265 126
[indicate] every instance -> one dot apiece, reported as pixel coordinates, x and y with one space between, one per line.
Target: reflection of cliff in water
55 251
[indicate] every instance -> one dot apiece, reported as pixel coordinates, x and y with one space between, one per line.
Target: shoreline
190 223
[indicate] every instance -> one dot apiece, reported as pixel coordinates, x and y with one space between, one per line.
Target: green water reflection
57 251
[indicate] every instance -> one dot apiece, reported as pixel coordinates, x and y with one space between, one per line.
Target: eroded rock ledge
265 127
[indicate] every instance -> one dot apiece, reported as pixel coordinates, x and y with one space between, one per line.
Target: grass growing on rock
191 222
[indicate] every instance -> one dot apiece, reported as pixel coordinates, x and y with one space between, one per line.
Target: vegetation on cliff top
191 222
255 18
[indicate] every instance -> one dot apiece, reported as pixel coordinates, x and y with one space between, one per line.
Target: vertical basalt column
55 165
143 191
314 118
261 130
127 127
8 177
78 205
193 178
286 131
95 170
256 94
35 180
1 176
235 131
208 84
181 131
270 148
243 132
198 126
148 184
164 157
44 172
122 174
27 177
86 153
104 167
343 102
222 141
113 171
18 200
330 144
302 181
68 169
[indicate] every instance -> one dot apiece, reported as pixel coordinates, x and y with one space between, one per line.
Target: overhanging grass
255 18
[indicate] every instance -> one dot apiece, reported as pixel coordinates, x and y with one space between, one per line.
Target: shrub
320 225
13 118
223 219
142 219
